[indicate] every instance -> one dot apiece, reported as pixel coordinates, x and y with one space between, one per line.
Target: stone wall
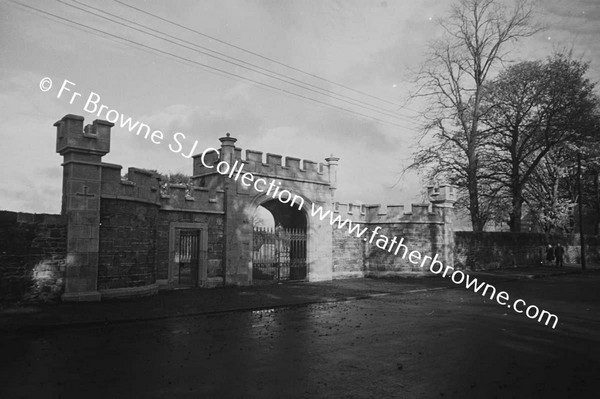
215 241
348 255
426 229
426 238
491 250
135 239
309 182
127 254
32 256
123 233
135 235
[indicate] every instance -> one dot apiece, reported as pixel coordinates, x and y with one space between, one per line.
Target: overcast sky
368 46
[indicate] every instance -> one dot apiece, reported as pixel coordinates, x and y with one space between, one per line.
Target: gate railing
187 257
279 254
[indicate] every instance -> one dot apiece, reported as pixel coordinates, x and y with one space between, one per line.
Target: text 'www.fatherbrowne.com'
177 144
397 247
393 245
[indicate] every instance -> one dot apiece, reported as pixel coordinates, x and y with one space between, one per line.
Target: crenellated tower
82 149
314 182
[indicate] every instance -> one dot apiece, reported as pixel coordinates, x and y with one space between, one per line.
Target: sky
362 51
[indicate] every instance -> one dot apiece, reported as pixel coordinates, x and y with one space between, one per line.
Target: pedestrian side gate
188 252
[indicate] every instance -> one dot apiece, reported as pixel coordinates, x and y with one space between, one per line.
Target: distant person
549 255
559 252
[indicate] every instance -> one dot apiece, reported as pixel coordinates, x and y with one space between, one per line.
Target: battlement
140 184
261 164
182 197
377 213
356 212
144 185
284 167
71 136
442 195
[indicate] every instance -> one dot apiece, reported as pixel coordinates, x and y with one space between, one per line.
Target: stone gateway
129 237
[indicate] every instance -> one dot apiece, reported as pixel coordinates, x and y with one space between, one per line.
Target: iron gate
279 254
188 257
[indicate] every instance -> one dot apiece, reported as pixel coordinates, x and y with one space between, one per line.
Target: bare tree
451 80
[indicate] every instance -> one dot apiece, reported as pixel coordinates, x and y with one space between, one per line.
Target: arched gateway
130 236
279 252
298 247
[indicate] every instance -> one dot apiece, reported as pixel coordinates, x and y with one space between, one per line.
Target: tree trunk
517 197
516 213
476 221
476 218
597 202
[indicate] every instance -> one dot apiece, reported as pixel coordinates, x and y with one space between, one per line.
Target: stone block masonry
426 229
82 150
119 237
493 250
306 182
124 234
120 231
214 248
127 254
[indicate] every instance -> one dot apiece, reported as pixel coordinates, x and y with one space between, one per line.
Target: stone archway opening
285 215
263 218
279 250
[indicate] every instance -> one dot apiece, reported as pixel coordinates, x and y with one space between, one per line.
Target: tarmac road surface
424 344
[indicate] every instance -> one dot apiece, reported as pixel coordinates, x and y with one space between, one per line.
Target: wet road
448 343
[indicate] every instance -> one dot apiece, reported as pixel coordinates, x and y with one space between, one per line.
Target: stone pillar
442 199
236 244
82 150
228 148
332 164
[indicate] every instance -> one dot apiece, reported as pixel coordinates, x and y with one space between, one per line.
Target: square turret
443 194
72 136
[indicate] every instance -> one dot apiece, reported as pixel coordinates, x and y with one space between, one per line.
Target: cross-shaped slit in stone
85 193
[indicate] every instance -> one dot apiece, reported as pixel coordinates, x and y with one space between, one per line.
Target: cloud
368 46
32 195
